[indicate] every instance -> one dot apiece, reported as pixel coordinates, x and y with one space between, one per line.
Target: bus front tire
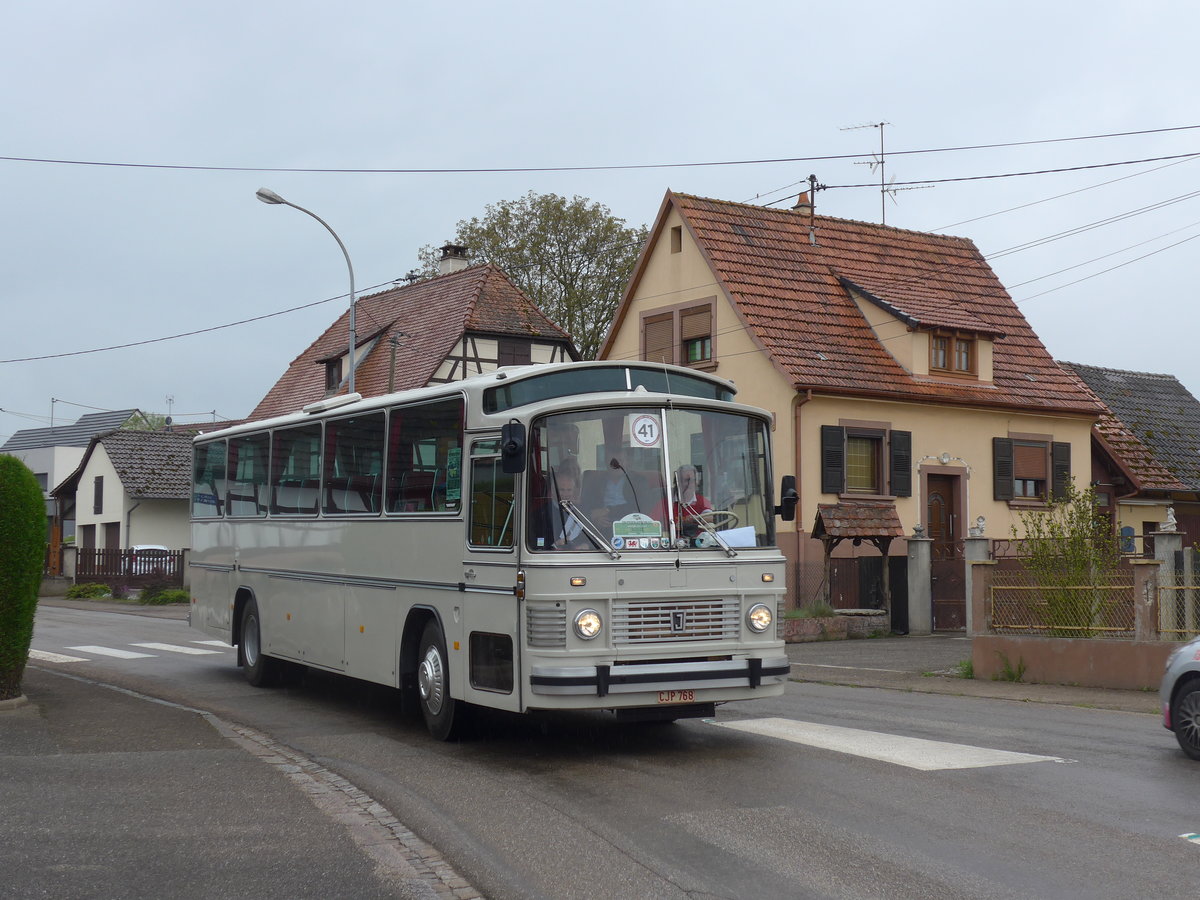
260 670
442 713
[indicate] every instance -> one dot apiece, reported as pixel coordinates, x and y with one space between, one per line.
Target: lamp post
266 195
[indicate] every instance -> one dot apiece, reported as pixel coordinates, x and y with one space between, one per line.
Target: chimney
454 259
804 205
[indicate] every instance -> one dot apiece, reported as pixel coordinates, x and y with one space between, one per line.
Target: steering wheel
720 519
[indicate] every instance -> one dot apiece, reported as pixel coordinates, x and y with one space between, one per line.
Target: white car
146 559
1180 696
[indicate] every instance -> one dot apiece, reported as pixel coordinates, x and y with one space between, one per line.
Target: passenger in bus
563 531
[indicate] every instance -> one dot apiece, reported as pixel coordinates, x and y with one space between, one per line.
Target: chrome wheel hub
431 681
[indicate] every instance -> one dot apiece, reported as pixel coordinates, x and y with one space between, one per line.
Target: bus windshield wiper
589 528
699 519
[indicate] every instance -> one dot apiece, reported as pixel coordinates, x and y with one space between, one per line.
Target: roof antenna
876 161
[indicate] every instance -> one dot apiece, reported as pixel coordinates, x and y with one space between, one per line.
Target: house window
939 352
98 495
681 336
863 453
858 460
514 352
333 374
1029 469
964 356
950 353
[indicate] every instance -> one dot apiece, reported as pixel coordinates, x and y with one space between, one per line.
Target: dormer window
333 374
952 353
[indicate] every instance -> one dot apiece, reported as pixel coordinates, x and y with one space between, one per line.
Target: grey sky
95 256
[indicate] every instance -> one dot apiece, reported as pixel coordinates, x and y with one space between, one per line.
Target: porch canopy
873 521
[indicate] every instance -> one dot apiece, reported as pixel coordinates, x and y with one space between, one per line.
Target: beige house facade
903 380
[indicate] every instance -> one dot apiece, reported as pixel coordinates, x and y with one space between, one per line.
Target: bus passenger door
490 615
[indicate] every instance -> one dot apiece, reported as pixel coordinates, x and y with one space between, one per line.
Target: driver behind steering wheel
689 503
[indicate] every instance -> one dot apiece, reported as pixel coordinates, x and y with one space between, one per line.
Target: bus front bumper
603 680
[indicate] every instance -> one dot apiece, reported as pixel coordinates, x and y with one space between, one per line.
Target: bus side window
247 475
424 453
491 498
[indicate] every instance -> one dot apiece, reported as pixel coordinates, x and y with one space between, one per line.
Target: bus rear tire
442 713
260 670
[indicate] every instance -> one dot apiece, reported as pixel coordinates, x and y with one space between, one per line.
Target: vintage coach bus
575 536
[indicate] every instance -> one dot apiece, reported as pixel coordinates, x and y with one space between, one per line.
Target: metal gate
948 586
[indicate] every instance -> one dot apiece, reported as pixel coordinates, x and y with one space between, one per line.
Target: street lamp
266 195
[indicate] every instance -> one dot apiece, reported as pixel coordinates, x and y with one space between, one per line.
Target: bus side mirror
512 448
788 498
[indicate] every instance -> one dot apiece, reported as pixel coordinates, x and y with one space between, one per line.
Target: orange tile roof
433 314
857 519
794 294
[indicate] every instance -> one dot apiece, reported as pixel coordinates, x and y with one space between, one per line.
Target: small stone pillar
976 548
920 584
1168 544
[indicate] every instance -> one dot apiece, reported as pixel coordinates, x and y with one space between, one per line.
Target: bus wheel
260 670
433 685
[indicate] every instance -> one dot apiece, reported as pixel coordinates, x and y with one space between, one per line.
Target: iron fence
1179 597
1022 605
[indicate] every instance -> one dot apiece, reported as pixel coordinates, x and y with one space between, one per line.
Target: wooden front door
947 566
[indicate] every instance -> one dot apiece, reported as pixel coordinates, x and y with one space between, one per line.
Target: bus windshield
649 479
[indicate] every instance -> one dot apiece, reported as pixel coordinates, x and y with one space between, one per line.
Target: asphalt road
830 791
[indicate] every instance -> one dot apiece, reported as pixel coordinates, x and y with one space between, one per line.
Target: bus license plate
676 696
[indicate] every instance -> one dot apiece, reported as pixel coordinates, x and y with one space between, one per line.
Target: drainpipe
129 524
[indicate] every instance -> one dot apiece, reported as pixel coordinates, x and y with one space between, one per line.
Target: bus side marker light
768 577
456 645
577 581
362 629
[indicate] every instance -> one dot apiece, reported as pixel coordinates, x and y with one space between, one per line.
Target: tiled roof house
467 321
131 487
898 367
1147 448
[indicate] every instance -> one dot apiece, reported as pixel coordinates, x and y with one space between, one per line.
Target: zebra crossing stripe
44 656
221 644
175 648
915 753
110 651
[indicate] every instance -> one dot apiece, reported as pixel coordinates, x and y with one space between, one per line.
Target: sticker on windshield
645 430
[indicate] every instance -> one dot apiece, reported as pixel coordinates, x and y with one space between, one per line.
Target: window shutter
659 339
1029 460
1060 467
1002 469
833 459
695 323
900 463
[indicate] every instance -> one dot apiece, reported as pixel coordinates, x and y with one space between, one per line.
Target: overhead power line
569 168
1108 165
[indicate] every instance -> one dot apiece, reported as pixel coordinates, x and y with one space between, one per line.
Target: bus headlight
588 624
760 617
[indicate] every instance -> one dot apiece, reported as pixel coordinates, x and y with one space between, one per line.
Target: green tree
145 422
571 257
1072 554
22 552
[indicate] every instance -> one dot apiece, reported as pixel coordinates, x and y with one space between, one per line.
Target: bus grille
546 626
670 621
